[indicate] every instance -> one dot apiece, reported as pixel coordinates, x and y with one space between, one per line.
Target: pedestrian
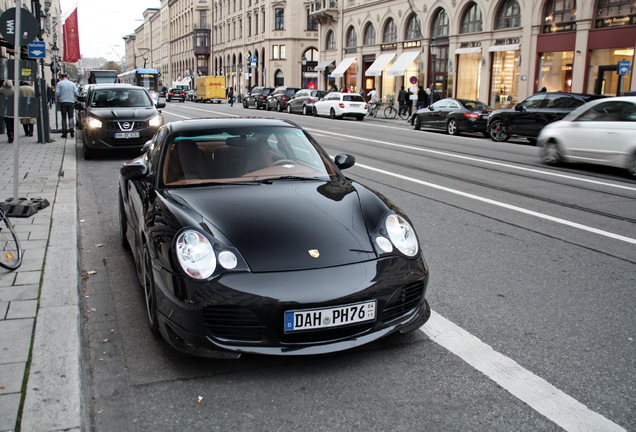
230 96
363 94
543 90
50 93
434 96
373 95
402 98
6 102
26 91
422 98
409 101
66 92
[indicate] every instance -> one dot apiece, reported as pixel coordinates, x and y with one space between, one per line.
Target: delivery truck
210 89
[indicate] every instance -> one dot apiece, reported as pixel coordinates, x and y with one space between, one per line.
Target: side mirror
344 161
134 169
161 104
520 107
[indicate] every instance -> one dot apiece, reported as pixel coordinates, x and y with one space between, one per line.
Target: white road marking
483 161
540 395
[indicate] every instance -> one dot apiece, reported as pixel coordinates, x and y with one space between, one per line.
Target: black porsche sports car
247 238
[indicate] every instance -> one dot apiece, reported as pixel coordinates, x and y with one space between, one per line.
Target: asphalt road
532 286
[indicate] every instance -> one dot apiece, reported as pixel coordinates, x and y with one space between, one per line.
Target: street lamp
303 63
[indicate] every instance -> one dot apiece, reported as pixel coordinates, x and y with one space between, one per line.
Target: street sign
29 26
37 49
253 59
623 67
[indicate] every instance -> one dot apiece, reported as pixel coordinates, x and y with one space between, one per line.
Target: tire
305 112
390 112
452 128
279 108
122 224
332 114
150 294
417 123
631 165
289 110
314 112
497 131
11 256
244 104
360 117
550 154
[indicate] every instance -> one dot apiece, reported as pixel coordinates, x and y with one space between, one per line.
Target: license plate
127 135
354 105
311 319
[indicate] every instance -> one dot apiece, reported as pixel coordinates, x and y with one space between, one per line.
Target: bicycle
391 112
10 250
374 107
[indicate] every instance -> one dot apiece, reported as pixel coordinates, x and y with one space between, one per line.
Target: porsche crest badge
314 253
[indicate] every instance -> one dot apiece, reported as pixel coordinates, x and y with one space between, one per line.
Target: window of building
352 37
249 26
509 15
279 19
278 52
331 40
312 24
472 22
203 19
389 34
279 78
440 24
369 34
559 15
413 28
608 9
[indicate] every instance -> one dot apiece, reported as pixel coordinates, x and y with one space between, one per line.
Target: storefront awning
379 64
402 63
511 47
343 66
323 65
468 50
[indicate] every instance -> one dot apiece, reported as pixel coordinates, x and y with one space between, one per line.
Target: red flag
71 38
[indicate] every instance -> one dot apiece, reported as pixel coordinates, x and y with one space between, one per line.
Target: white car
338 105
600 132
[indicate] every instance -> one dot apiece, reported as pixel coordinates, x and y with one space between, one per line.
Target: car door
605 133
527 115
430 118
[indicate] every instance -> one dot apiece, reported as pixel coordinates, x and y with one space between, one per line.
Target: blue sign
623 67
37 49
253 59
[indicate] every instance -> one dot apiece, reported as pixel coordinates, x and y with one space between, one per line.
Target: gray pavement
40 352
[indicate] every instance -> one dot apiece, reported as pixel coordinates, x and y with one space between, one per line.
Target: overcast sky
103 23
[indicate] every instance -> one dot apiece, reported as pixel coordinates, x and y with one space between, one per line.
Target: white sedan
338 105
600 132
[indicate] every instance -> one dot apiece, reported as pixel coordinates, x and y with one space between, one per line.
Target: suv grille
125 126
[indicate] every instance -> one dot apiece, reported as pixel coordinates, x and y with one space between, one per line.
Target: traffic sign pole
16 100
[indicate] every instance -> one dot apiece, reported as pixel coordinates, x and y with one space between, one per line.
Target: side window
610 111
563 101
533 101
452 105
440 104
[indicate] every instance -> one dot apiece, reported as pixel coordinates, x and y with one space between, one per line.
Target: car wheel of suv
550 153
452 127
417 123
497 131
332 114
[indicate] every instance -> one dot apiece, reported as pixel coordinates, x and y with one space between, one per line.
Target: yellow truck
210 89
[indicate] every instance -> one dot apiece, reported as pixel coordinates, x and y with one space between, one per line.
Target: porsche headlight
93 123
155 121
195 254
399 234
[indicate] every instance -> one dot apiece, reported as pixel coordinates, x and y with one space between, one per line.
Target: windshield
129 97
242 156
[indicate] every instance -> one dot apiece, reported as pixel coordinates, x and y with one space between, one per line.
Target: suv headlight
93 123
156 121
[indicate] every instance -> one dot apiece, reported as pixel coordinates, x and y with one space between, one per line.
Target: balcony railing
324 11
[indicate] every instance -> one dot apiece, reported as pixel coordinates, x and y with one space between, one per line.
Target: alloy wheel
498 132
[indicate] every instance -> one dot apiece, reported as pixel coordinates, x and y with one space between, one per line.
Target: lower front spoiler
201 346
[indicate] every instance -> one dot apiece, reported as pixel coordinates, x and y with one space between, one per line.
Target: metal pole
16 99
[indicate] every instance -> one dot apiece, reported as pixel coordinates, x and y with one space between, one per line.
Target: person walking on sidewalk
230 96
66 92
6 97
26 91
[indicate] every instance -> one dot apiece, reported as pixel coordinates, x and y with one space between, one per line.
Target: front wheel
11 253
150 295
498 131
452 127
417 123
550 153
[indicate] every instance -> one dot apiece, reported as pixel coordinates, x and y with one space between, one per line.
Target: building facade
497 51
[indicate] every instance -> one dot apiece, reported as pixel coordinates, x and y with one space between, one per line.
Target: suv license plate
127 135
311 319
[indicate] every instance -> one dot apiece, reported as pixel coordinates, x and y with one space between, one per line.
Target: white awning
511 47
379 64
402 63
323 65
343 66
468 50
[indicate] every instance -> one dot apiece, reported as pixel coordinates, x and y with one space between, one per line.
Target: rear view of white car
339 105
601 132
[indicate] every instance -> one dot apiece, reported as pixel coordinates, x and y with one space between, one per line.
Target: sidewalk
40 368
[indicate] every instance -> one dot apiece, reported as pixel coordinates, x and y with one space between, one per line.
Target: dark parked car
279 98
257 97
527 118
231 261
118 116
176 94
303 101
454 116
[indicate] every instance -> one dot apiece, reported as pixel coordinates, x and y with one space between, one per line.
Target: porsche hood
285 225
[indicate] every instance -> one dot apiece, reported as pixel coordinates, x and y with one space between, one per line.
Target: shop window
331 40
555 71
472 22
509 15
413 28
369 34
559 15
352 37
505 79
440 24
389 34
